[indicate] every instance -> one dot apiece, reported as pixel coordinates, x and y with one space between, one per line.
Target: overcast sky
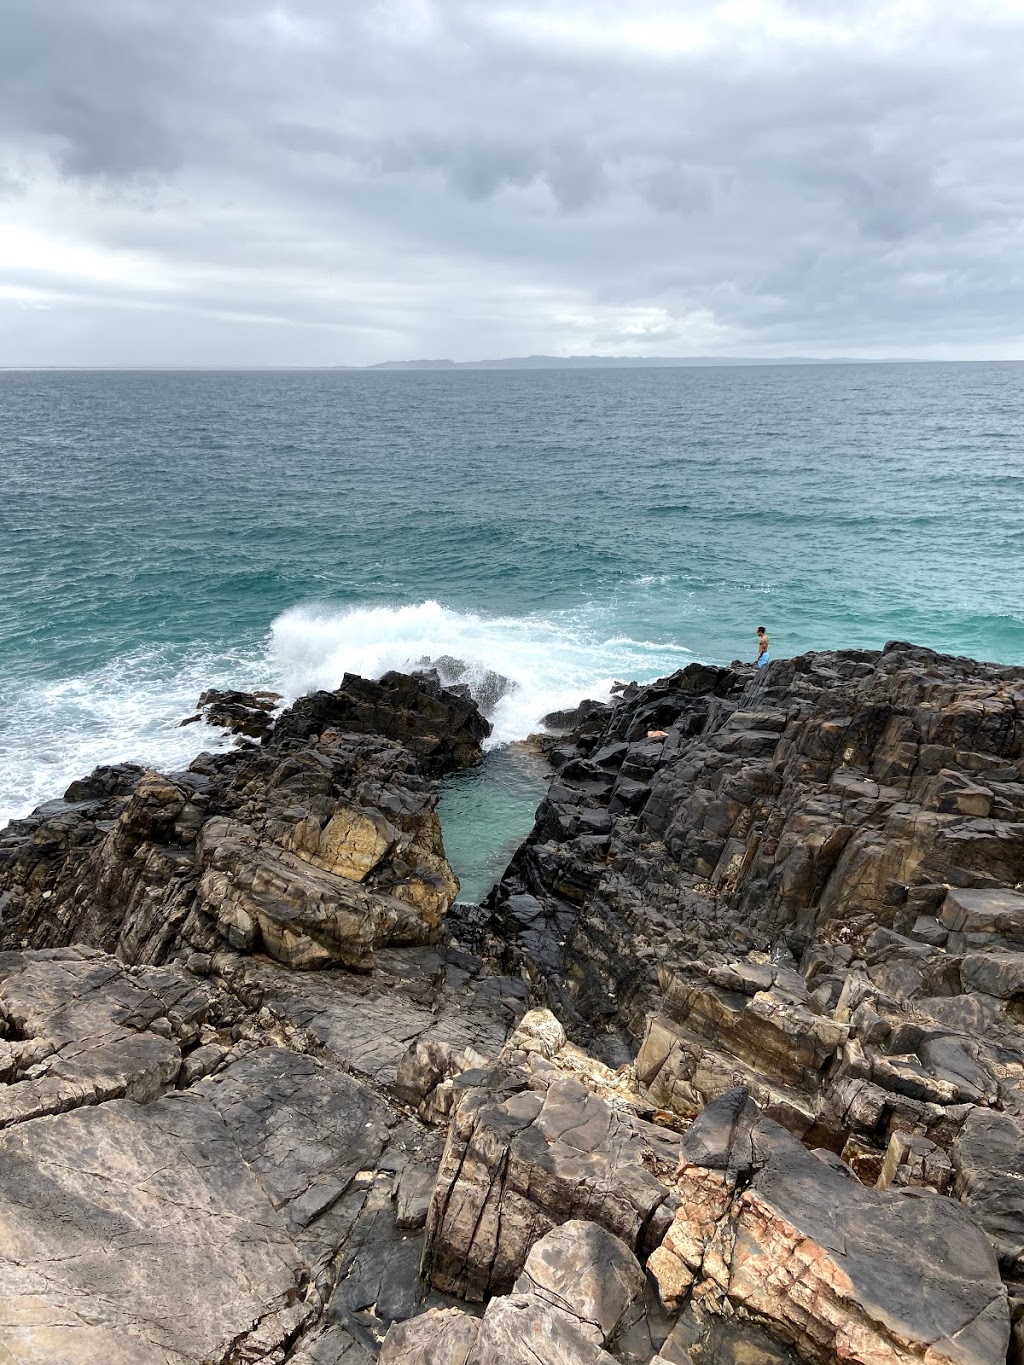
342 181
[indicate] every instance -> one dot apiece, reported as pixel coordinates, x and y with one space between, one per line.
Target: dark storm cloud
312 180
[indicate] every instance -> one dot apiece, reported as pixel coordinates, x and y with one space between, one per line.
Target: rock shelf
728 1067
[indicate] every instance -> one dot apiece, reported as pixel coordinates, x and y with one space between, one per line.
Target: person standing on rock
763 657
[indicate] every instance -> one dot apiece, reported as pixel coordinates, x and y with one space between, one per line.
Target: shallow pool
486 812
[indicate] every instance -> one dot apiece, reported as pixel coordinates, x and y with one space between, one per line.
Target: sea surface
163 532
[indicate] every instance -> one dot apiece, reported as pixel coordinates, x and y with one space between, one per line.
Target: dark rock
486 687
241 713
442 728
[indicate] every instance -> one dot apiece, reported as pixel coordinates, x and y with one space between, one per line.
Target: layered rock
526 1153
809 885
318 848
768 1230
579 1289
795 918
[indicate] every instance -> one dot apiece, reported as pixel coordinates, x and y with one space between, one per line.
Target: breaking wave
130 709
550 662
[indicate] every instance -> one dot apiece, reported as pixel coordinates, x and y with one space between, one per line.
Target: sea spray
551 662
130 709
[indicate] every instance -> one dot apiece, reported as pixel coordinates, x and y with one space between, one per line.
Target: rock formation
240 713
729 1067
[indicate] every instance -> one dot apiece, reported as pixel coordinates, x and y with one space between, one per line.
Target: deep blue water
161 532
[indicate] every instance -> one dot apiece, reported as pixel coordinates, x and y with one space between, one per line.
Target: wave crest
552 662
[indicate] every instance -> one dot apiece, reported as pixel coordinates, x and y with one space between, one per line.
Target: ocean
164 532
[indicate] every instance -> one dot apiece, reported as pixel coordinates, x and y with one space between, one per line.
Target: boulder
579 1267
577 1288
520 1161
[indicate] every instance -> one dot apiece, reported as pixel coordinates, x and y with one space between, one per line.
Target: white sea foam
130 710
554 662
127 712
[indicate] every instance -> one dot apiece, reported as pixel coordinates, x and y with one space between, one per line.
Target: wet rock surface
727 1069
240 713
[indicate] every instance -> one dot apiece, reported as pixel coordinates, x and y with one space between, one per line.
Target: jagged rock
485 686
810 886
318 848
442 728
819 899
842 1272
83 1031
241 713
578 1286
261 897
427 1075
913 1160
519 1161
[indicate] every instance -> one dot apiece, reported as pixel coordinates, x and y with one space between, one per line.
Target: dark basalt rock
240 713
485 686
441 727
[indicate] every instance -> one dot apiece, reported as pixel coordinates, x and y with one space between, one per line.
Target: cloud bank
314 182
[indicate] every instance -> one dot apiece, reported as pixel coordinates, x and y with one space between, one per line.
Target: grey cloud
674 189
841 174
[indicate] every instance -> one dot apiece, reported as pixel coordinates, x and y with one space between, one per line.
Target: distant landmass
606 362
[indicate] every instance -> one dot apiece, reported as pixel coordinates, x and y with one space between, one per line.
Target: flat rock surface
121 1227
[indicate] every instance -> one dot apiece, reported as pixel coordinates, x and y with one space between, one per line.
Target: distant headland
613 362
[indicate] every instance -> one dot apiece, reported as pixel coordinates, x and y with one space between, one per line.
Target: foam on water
553 662
127 712
130 710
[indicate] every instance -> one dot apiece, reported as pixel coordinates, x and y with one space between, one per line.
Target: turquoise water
163 532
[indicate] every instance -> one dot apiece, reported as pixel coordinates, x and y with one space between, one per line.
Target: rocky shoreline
728 1067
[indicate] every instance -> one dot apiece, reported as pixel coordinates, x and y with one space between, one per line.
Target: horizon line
536 361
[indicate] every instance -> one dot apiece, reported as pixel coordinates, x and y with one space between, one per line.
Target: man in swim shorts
763 657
